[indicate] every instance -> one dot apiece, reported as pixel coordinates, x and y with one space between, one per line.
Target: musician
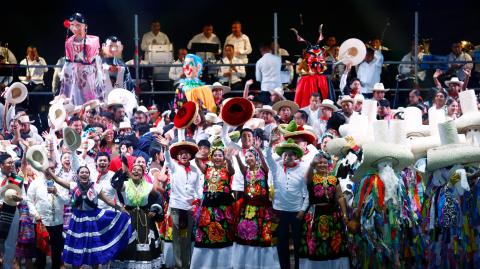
154 37
6 57
240 42
407 71
456 69
206 36
231 75
115 72
176 72
34 76
369 71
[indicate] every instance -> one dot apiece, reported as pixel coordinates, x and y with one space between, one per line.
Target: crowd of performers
224 184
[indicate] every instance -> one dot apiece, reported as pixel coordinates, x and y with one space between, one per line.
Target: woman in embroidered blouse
257 224
214 221
144 206
113 227
66 172
323 242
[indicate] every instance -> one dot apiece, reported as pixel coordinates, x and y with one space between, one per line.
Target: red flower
204 217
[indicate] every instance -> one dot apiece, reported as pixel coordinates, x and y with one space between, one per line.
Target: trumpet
425 45
466 46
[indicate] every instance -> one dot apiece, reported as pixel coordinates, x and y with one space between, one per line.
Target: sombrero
266 108
278 91
7 193
191 147
344 98
71 138
352 51
414 126
454 80
218 85
470 118
186 115
7 147
16 93
379 87
254 123
289 145
329 104
57 115
451 151
211 118
292 105
295 132
234 136
236 111
37 157
123 97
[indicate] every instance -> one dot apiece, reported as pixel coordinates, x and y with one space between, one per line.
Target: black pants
56 245
288 219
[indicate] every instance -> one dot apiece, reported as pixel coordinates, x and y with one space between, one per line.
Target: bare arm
341 202
110 202
437 73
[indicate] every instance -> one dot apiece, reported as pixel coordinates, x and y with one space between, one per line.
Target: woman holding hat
214 224
143 204
324 242
82 73
257 223
94 236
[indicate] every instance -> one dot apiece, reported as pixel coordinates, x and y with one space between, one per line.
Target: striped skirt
96 236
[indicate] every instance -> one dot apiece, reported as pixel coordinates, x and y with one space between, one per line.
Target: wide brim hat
124 125
454 80
352 51
286 103
92 104
329 104
234 136
266 108
211 117
420 145
376 152
236 111
186 115
254 123
71 138
57 115
7 194
448 155
25 119
175 148
16 93
379 87
344 98
123 97
279 91
338 147
291 130
289 145
214 130
37 157
471 116
218 85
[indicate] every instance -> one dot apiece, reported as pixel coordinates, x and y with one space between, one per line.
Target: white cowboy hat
344 98
16 93
266 108
279 91
285 103
156 130
379 87
352 51
254 123
7 147
214 131
218 85
37 157
7 193
60 99
124 125
123 97
57 116
329 104
358 98
451 151
454 80
211 117
71 138
25 119
143 109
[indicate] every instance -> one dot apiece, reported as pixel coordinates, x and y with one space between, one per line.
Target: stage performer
312 81
191 88
82 78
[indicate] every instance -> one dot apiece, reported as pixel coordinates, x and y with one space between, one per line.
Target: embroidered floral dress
256 224
215 223
323 232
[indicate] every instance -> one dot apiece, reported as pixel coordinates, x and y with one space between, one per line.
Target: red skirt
310 84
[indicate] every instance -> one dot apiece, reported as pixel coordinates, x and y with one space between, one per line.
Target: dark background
40 22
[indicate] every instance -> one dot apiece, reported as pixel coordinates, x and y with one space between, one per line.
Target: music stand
204 48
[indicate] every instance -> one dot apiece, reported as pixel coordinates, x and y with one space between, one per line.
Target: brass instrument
467 46
424 45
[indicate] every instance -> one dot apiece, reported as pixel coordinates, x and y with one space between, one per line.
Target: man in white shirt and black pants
291 196
267 72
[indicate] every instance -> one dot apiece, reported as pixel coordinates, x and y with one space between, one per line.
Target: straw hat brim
8 200
451 154
37 157
175 148
308 136
292 105
225 89
375 153
335 108
281 148
260 110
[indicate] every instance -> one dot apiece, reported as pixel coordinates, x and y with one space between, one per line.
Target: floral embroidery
250 212
215 232
247 230
204 217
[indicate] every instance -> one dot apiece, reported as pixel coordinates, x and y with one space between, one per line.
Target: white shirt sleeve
144 44
31 198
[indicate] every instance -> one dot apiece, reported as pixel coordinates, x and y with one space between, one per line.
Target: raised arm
62 182
437 73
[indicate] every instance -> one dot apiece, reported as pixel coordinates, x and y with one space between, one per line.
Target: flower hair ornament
315 61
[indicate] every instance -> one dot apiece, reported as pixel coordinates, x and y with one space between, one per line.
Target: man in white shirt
313 110
458 55
176 72
186 191
34 76
154 37
407 71
267 69
46 200
240 42
101 177
231 75
206 36
291 196
369 71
